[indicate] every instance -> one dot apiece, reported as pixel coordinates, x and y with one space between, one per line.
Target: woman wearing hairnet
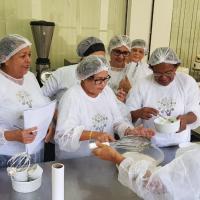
63 78
119 49
166 92
19 91
89 111
136 68
178 180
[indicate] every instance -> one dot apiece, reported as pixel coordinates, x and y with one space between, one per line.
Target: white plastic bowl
165 126
152 153
26 187
35 179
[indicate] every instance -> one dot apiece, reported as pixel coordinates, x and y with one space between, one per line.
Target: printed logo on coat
24 98
99 122
166 106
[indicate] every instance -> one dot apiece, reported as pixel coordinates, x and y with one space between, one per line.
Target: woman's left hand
141 131
183 122
125 85
185 119
121 95
50 133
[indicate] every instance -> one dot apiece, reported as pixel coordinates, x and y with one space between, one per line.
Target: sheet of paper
41 118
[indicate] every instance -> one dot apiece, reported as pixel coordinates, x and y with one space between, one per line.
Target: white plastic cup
34 172
21 176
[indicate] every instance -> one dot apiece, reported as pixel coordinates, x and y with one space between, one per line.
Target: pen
34 132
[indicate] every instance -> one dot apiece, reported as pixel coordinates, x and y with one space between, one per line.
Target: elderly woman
63 78
177 180
19 91
136 68
119 49
89 111
167 92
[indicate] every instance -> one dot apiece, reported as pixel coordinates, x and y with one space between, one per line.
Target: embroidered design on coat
99 122
166 105
24 98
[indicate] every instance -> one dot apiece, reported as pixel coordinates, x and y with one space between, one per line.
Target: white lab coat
60 81
14 99
136 71
178 180
179 97
77 112
117 74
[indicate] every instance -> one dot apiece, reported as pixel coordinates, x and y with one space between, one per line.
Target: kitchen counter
87 178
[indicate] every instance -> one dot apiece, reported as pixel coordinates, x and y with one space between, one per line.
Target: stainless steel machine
195 69
42 34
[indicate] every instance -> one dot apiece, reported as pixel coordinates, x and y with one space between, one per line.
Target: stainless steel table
87 178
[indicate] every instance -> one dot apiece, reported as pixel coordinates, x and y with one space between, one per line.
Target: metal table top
87 178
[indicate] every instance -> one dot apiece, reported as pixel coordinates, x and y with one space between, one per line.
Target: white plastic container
26 187
166 126
21 176
35 172
154 153
33 181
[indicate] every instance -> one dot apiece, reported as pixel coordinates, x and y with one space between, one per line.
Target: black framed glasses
99 81
117 52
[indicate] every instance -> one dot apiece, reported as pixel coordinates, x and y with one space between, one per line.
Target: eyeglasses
168 74
99 81
117 52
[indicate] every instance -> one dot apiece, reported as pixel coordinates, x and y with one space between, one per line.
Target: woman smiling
89 111
19 91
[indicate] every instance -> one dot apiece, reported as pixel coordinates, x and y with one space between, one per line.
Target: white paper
57 181
41 118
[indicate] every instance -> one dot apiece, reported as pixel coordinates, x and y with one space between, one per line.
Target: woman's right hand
146 113
102 137
141 131
107 153
25 136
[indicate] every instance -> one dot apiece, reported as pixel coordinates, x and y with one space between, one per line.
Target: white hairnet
91 65
119 41
163 55
139 43
10 45
89 46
